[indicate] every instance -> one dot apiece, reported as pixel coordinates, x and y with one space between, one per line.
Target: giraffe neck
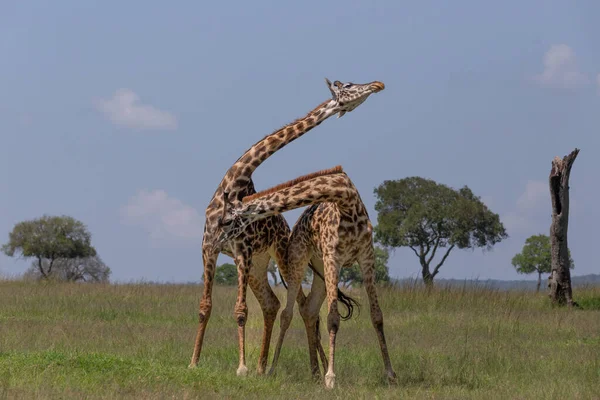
335 187
263 149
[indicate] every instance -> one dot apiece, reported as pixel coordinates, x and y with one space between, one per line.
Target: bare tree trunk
560 285
539 283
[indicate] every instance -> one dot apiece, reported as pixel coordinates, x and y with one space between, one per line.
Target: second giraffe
333 233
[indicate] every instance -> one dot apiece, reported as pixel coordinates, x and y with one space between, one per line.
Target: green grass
135 341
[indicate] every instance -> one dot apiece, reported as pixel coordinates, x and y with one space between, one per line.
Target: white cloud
532 212
560 69
164 217
536 194
124 108
516 223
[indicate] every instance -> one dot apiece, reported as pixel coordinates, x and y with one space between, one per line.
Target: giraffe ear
330 87
341 114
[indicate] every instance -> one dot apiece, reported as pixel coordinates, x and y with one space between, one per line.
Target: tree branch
50 265
437 267
41 268
437 243
415 250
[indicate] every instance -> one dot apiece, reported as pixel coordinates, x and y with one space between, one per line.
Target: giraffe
265 238
333 233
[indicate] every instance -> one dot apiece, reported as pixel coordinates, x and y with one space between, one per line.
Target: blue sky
126 115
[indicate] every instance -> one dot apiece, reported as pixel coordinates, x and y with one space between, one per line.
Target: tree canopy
426 216
353 276
536 257
48 239
226 274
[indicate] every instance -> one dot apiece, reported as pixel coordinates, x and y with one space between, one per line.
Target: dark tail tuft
346 300
349 302
343 298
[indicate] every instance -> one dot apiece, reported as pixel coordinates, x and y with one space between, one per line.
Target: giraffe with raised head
259 241
333 233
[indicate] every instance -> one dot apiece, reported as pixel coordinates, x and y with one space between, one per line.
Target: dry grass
135 341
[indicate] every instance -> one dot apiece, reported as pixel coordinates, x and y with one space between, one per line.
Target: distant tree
536 257
353 276
308 276
426 216
48 239
89 269
226 274
272 269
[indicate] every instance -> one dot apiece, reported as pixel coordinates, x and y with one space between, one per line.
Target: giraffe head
235 222
350 95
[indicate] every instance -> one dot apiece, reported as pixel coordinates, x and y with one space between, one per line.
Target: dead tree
560 277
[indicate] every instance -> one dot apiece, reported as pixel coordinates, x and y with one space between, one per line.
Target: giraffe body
333 232
267 237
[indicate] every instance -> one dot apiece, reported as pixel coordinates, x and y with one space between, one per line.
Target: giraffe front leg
368 270
243 261
209 260
269 304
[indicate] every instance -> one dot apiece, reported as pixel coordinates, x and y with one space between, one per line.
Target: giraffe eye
347 85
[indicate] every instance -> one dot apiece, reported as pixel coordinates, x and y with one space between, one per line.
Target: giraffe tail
343 298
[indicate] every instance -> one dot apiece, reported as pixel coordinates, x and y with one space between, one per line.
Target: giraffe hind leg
243 261
309 311
367 264
333 316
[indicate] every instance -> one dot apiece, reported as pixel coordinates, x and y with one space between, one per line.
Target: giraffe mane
335 170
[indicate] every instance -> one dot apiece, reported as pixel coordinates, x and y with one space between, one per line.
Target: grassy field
135 341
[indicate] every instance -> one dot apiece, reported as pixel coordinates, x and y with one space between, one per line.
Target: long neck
332 188
263 149
328 186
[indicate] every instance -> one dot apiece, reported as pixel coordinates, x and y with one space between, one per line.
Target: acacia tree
48 239
427 217
353 276
536 257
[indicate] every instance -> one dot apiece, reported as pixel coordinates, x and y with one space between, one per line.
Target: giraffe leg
367 264
243 261
333 316
296 264
210 261
269 304
294 286
309 311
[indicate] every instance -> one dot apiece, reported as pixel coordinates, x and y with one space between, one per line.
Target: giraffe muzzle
377 86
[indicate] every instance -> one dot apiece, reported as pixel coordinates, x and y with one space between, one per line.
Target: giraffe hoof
242 371
392 380
329 381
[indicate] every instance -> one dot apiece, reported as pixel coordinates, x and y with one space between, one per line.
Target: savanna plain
60 340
